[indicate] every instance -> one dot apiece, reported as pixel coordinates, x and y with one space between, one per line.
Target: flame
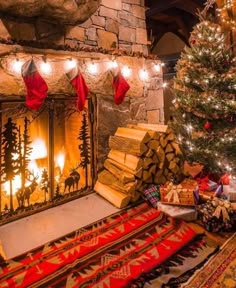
16 184
60 161
39 149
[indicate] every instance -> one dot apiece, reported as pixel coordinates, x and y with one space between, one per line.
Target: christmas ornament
207 125
36 86
121 87
232 119
77 81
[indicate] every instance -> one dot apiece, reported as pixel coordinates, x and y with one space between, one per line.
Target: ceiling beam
160 7
189 6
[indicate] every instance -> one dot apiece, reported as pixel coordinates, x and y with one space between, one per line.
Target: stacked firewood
139 155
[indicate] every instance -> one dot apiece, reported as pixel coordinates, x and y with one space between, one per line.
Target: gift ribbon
173 194
221 207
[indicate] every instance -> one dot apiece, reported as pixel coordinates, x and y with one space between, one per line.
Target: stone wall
114 24
116 30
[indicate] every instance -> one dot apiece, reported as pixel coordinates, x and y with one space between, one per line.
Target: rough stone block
138 11
106 39
127 19
126 7
76 33
107 12
91 34
98 21
153 117
112 26
141 36
127 34
155 99
116 5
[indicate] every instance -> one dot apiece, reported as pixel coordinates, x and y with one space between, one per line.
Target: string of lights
93 65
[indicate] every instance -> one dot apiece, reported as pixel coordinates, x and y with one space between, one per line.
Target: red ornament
207 125
193 41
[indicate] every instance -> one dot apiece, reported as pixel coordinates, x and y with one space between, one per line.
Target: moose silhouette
72 181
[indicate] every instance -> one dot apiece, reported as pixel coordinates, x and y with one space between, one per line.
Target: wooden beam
160 6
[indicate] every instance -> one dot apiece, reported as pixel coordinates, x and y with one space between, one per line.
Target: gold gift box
181 194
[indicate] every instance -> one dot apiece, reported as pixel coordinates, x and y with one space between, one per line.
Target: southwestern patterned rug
219 271
113 252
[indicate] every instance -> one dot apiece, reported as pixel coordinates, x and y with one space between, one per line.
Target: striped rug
112 252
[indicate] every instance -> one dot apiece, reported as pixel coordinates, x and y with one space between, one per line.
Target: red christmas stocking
77 81
36 86
120 87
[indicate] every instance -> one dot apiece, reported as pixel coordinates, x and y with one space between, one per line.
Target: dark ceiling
176 16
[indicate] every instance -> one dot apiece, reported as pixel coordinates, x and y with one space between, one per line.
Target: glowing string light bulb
143 74
45 67
16 65
112 64
157 67
126 71
92 68
70 64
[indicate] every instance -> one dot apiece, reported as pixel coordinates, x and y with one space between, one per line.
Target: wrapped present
225 179
217 215
187 214
152 195
207 195
185 193
205 184
230 192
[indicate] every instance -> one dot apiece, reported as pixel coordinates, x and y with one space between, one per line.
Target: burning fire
39 149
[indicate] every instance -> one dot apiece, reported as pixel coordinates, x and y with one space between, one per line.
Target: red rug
111 252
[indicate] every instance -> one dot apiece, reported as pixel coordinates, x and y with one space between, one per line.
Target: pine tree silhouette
10 163
24 153
84 147
45 183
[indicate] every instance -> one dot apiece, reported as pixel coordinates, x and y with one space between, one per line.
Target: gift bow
221 207
173 194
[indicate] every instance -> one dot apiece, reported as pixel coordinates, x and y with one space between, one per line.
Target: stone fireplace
111 32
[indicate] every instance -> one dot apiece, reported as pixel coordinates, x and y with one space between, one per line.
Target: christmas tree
204 114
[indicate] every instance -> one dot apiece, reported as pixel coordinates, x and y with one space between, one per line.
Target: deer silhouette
72 180
23 194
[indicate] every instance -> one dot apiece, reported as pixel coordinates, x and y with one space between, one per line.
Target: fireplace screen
46 156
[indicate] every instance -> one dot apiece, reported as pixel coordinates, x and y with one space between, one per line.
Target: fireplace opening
47 156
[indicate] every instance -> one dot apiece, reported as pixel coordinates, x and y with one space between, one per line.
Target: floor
30 232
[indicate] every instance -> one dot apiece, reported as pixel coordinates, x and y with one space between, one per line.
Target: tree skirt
219 271
111 252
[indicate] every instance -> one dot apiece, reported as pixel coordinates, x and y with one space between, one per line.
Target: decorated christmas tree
204 114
